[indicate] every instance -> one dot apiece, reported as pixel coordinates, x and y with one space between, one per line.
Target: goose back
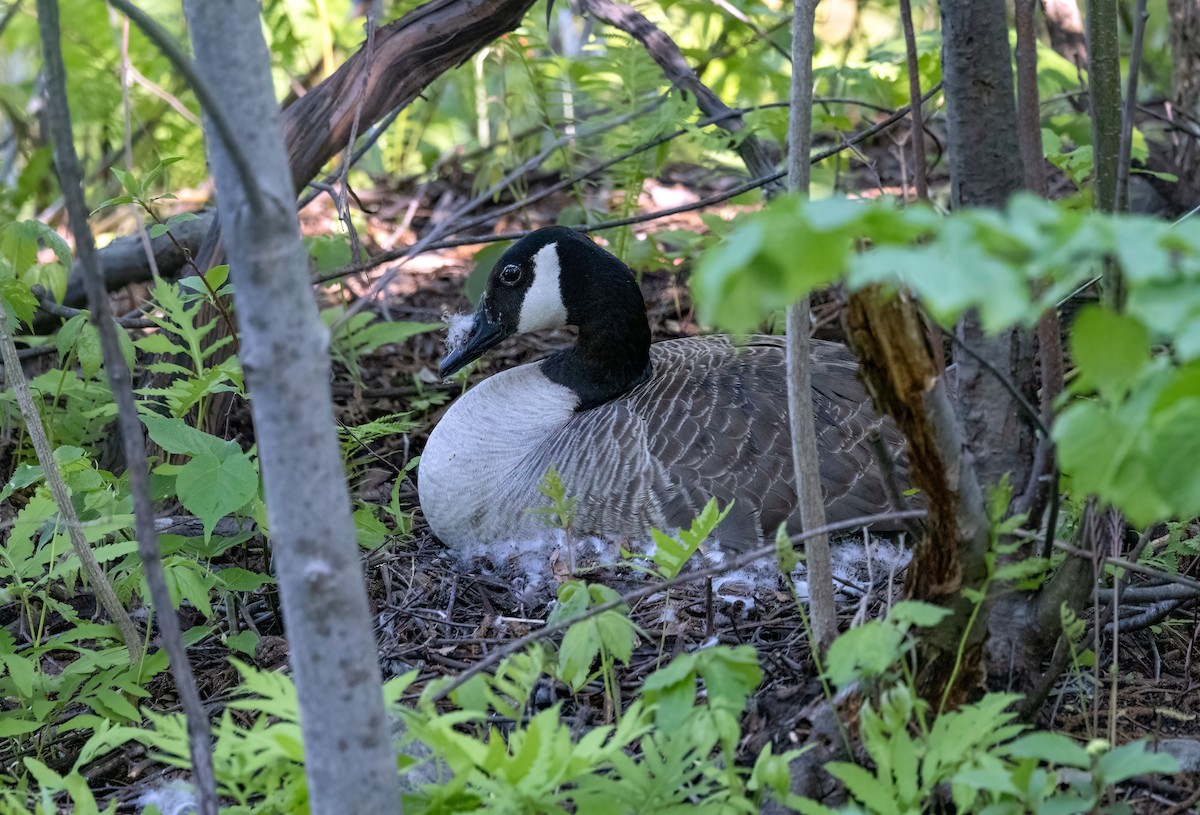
709 421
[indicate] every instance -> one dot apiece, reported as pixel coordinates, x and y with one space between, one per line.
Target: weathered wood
898 367
410 53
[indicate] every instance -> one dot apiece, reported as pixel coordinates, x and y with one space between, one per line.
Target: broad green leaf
11 726
1174 450
20 671
232 578
177 436
212 487
869 650
917 613
1124 762
1051 748
1111 350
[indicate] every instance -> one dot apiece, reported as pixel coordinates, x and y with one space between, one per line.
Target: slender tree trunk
349 755
1104 97
799 354
985 169
1185 94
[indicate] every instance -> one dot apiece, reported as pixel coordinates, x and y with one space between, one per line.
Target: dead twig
739 562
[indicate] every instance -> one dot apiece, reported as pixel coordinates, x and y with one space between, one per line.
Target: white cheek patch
543 304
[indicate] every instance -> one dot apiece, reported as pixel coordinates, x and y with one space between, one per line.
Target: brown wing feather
712 422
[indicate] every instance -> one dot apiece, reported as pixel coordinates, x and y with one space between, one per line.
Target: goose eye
510 275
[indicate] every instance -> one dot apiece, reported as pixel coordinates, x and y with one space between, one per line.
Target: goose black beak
483 334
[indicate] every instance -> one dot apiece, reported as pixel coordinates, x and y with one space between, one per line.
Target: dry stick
340 199
132 442
739 562
471 240
737 14
49 305
805 464
663 50
15 376
914 89
1135 65
1029 117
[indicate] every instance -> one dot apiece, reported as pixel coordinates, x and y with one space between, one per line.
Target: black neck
612 354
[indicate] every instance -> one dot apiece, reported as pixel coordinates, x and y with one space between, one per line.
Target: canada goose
642 434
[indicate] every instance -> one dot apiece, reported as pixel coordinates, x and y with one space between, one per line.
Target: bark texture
1104 98
349 756
799 352
985 169
1185 95
898 366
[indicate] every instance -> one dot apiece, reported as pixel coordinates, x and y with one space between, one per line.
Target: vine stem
133 444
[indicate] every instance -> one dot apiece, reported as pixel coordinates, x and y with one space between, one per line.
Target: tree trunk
1185 94
349 755
899 369
799 360
985 169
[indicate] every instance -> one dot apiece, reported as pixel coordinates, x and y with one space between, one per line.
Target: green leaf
868 650
244 642
1124 762
11 726
130 182
212 487
157 343
730 674
1051 748
917 613
865 787
1175 450
20 671
232 578
1111 350
112 202
177 436
18 300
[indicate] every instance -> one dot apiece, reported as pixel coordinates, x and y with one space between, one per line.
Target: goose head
556 277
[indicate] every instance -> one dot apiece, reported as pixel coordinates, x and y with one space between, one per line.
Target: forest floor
439 618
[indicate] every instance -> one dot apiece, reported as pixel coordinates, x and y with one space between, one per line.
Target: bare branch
1135 66
914 91
666 53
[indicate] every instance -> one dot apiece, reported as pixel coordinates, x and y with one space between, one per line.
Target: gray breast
710 422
